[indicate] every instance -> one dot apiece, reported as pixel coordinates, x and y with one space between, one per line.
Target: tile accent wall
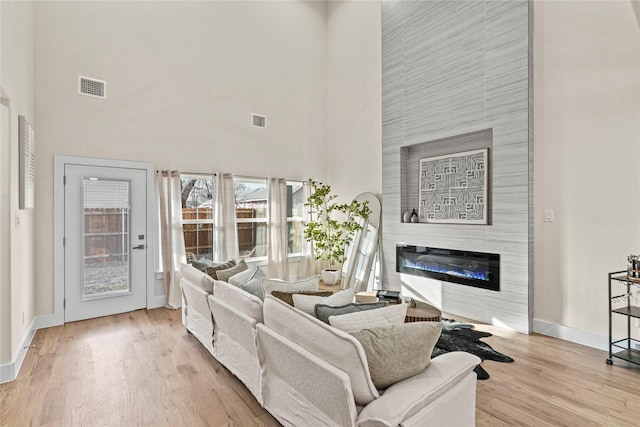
452 69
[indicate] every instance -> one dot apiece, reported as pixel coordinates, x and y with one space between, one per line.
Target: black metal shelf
628 311
627 352
627 349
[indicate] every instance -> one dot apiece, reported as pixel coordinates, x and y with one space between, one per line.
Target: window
295 207
252 196
197 215
251 216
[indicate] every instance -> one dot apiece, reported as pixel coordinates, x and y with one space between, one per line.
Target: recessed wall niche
410 156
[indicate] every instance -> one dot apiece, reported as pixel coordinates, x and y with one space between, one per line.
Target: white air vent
259 121
92 87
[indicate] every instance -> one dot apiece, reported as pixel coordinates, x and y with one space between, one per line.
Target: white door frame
60 161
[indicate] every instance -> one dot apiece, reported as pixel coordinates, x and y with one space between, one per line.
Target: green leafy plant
329 234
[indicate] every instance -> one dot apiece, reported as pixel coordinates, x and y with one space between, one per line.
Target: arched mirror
362 252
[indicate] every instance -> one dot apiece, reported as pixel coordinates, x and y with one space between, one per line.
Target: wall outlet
548 216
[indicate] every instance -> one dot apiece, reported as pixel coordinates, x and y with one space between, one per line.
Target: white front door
105 242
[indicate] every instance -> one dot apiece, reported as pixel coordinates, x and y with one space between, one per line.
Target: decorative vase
406 217
330 277
414 216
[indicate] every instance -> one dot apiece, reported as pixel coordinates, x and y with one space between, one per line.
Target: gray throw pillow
254 284
224 275
397 352
323 311
243 276
201 264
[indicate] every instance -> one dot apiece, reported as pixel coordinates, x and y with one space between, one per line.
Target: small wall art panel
453 188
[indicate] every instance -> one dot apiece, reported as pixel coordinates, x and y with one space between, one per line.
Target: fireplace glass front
477 269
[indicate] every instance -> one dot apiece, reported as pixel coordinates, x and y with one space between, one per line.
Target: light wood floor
143 369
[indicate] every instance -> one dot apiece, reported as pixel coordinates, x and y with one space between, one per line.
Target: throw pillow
224 275
393 314
287 296
323 311
397 352
307 303
254 285
201 264
310 284
243 276
211 271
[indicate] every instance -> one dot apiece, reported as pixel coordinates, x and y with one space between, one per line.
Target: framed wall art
27 165
453 188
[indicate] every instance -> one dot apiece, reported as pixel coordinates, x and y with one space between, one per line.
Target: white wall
182 81
354 104
16 82
587 146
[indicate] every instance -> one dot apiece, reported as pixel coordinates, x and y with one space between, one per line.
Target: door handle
139 247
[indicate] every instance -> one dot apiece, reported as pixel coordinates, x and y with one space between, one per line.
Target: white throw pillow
310 284
393 314
307 303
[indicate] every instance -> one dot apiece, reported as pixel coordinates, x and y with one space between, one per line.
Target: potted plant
329 231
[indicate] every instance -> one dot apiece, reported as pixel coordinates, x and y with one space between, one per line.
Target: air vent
92 87
259 121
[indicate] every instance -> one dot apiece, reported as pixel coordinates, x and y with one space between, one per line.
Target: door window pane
106 236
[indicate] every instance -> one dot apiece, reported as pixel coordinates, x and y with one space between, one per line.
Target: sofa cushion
243 276
330 344
196 277
254 285
224 275
307 303
213 270
397 352
403 401
310 284
288 296
239 299
323 311
393 314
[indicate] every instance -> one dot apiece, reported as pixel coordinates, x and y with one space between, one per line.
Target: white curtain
277 229
306 266
171 235
225 239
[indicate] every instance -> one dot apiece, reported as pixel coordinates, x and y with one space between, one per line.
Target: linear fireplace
477 269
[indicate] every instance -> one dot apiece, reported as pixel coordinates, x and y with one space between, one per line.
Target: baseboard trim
48 321
9 371
578 336
156 302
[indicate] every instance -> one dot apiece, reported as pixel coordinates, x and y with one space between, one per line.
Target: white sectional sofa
307 373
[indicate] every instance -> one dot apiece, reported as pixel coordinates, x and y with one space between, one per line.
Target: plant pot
330 277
